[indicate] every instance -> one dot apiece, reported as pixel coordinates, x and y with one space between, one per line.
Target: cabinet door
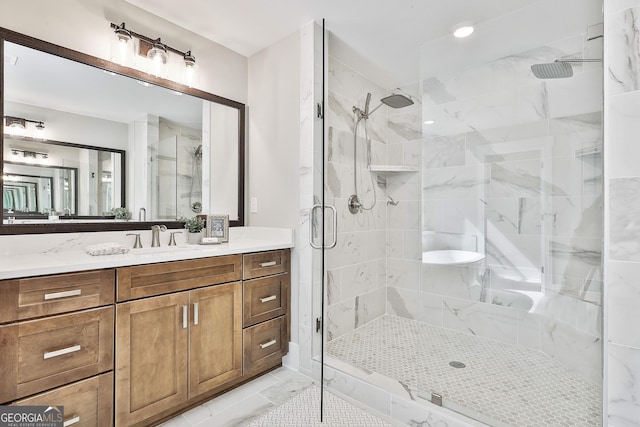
215 352
151 356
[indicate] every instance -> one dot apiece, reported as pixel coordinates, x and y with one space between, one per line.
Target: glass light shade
122 48
40 131
190 70
158 60
15 127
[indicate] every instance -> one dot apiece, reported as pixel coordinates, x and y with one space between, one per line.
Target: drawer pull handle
267 299
268 344
64 294
184 317
71 421
195 313
56 353
267 264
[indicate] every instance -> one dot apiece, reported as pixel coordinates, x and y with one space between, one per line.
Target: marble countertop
70 258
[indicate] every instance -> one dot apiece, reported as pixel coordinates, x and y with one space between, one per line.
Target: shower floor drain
457 365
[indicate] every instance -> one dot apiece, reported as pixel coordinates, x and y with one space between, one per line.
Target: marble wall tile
516 179
432 214
574 135
613 6
464 84
462 281
588 318
405 127
623 302
623 385
623 58
350 249
403 273
435 241
563 342
513 277
333 280
533 102
406 186
486 320
412 153
358 279
340 146
464 216
529 330
370 306
376 242
503 214
624 126
405 215
395 243
430 308
412 248
339 180
580 94
443 151
575 257
402 302
574 216
513 249
340 319
460 182
490 110
575 176
624 208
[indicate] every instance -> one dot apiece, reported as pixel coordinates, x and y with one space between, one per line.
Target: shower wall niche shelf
392 168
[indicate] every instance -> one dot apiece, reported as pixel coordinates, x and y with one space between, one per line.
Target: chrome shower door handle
334 232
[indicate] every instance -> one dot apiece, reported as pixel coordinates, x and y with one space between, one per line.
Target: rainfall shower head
559 69
396 101
552 70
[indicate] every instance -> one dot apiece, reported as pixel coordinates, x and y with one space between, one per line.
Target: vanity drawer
38 355
265 298
264 345
45 295
156 279
87 403
265 263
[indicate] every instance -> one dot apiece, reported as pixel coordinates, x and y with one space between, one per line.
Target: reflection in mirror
183 152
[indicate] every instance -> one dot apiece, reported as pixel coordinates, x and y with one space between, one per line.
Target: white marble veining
61 253
624 300
622 53
624 205
624 377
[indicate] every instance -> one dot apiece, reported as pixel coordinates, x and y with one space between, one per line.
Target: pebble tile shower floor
510 384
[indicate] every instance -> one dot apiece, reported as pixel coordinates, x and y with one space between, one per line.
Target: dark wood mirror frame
61 227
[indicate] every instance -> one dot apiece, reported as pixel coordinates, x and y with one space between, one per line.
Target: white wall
272 151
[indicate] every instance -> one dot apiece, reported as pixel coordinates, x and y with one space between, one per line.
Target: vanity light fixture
18 127
157 54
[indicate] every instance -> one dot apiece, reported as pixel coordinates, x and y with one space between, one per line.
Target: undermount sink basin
451 257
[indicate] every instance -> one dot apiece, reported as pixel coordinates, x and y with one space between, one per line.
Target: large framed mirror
88 145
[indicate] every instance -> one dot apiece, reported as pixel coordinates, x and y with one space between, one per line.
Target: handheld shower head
366 104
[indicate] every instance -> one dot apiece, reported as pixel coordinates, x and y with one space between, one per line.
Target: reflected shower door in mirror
185 148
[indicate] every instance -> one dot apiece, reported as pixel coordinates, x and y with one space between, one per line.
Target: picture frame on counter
218 227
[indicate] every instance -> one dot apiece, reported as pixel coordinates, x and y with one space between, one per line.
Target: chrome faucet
142 214
155 234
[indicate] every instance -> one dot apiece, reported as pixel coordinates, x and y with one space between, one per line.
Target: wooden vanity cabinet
173 348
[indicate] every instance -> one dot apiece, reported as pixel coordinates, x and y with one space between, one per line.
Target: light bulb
190 73
40 131
122 48
158 59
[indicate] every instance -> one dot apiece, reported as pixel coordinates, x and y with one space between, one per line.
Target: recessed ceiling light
429 122
463 31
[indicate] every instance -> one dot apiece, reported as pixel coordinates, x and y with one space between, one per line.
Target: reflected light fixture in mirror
17 127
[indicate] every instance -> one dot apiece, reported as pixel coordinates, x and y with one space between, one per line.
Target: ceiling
387 34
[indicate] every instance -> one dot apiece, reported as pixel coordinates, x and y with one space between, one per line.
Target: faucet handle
137 243
172 239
